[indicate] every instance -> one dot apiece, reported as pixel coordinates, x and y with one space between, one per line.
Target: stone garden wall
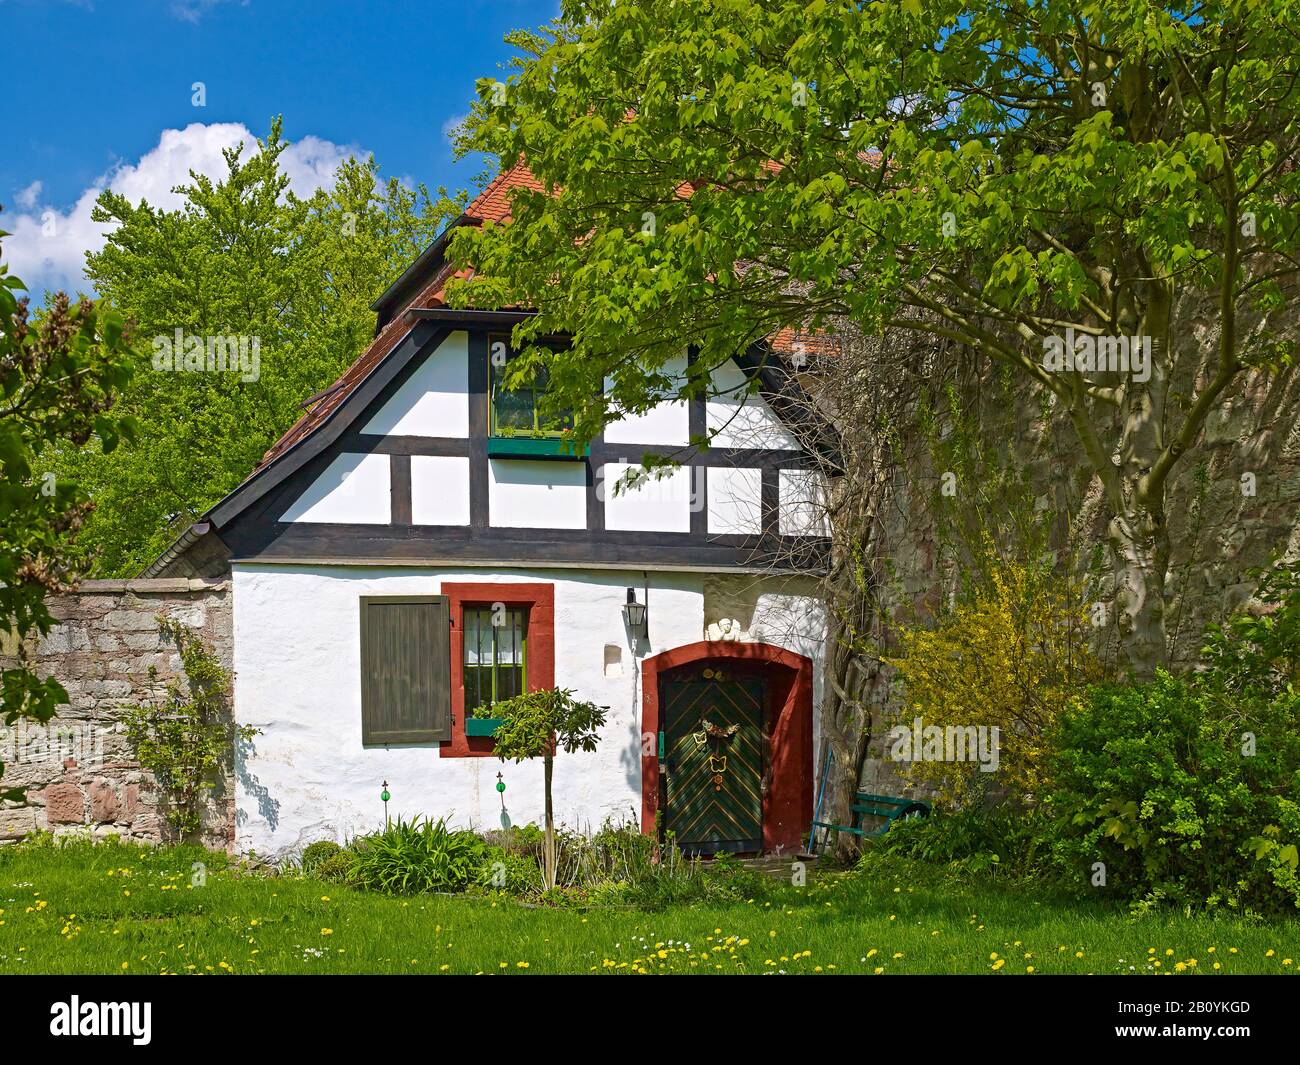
78 770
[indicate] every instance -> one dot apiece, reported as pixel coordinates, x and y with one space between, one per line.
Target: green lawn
115 908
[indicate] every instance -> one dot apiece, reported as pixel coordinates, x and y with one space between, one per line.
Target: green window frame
495 655
514 411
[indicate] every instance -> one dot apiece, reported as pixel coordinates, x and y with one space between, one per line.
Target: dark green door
713 762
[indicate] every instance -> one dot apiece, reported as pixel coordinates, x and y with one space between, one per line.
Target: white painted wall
735 501
741 419
352 488
297 679
434 400
440 490
660 502
802 504
537 494
666 423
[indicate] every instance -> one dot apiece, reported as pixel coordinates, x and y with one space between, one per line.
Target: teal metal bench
888 807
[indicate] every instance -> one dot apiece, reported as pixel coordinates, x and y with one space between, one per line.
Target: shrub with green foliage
1182 797
1001 841
1181 791
410 857
335 869
315 853
1188 789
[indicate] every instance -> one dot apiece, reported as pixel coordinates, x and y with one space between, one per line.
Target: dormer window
518 411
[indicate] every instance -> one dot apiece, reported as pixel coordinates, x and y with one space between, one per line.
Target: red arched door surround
787 804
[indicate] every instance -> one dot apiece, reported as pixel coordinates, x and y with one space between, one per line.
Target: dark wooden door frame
787 802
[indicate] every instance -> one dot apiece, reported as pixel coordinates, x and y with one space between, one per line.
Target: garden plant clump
1182 791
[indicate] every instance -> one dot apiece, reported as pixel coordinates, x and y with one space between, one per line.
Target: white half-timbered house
417 545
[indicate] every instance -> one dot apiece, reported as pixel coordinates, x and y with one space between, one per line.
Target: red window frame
540 601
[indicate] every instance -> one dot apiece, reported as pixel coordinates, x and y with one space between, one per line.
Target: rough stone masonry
78 769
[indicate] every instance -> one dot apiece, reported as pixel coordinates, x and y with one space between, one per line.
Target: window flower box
534 447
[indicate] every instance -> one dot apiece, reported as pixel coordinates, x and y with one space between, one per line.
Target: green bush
336 868
1002 841
512 872
410 857
1182 790
1182 795
315 853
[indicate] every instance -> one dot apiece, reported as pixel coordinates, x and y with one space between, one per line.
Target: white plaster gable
661 503
667 423
352 489
803 504
542 494
434 400
735 501
738 417
439 490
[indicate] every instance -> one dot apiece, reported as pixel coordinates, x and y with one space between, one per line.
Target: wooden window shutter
405 669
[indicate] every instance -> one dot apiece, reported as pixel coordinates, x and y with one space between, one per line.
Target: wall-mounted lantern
635 617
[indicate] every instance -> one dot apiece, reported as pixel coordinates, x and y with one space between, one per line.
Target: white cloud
449 127
193 10
27 197
47 248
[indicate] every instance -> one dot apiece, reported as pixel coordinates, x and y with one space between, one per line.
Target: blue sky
104 97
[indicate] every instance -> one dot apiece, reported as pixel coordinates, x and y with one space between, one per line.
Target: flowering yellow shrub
983 686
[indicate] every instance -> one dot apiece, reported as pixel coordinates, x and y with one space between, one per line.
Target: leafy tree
535 724
59 380
997 174
243 256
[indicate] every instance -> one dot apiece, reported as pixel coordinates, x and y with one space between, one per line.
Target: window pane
478 687
510 681
514 410
510 641
494 653
472 619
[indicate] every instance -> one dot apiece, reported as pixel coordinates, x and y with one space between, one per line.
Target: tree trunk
1138 532
847 726
1139 544
548 846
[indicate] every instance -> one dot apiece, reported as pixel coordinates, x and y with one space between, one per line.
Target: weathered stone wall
78 770
1234 506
